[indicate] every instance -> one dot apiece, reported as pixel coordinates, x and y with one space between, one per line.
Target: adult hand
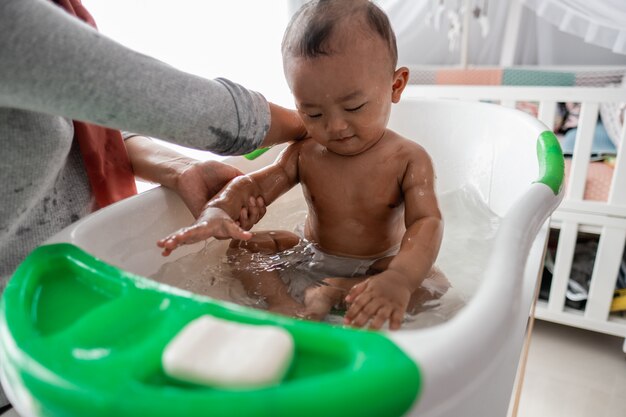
201 180
380 298
196 182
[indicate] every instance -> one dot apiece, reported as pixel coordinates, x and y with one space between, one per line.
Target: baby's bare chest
341 185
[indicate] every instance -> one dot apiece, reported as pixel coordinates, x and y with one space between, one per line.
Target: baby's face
345 98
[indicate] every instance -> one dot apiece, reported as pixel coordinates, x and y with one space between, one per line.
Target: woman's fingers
243 217
252 212
262 208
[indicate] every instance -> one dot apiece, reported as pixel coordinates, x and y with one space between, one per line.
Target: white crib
575 215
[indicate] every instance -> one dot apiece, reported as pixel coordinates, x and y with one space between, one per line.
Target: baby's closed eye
353 109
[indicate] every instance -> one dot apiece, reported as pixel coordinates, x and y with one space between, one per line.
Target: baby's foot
289 308
317 303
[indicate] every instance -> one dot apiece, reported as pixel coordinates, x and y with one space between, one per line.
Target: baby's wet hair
312 26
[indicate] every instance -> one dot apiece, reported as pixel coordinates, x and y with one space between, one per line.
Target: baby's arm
385 296
227 214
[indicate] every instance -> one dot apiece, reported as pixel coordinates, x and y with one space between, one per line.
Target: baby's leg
319 300
267 242
259 282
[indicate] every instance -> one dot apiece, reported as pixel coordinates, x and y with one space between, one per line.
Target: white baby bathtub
468 364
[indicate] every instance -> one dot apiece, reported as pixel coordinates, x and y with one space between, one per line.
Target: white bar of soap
223 353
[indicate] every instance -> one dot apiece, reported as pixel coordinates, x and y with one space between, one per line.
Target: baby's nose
336 125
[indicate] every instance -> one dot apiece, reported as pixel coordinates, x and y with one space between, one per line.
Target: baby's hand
380 298
252 213
213 222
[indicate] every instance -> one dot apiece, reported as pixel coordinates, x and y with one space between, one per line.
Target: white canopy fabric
539 42
599 22
422 33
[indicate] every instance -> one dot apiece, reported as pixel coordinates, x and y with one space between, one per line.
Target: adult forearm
53 63
156 163
285 125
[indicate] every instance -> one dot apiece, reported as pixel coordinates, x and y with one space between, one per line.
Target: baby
372 208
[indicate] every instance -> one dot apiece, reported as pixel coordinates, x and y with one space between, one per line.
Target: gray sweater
54 68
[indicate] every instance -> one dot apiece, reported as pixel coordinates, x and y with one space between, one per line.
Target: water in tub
469 231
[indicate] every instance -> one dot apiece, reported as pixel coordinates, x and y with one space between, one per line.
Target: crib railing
575 215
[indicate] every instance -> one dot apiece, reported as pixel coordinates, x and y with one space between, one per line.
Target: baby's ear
400 80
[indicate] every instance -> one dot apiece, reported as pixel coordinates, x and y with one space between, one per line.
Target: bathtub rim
448 347
541 199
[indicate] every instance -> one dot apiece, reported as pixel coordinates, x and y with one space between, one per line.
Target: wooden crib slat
547 111
589 221
562 265
593 207
582 149
617 193
605 270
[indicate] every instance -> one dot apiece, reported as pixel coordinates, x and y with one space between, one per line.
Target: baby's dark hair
313 24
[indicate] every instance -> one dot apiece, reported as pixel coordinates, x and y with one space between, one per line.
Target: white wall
238 40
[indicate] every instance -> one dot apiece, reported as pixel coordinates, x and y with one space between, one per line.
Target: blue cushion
602 144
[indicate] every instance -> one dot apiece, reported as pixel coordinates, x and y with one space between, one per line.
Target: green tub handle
551 162
256 153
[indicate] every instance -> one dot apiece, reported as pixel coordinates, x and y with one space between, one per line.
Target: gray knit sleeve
250 127
53 63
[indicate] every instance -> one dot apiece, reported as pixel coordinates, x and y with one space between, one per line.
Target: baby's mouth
344 139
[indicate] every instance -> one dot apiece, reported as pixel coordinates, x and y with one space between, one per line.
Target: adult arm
53 63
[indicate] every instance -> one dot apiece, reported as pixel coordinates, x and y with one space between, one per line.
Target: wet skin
367 187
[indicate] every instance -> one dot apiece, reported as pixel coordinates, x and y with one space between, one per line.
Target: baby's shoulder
406 148
294 152
301 145
293 149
